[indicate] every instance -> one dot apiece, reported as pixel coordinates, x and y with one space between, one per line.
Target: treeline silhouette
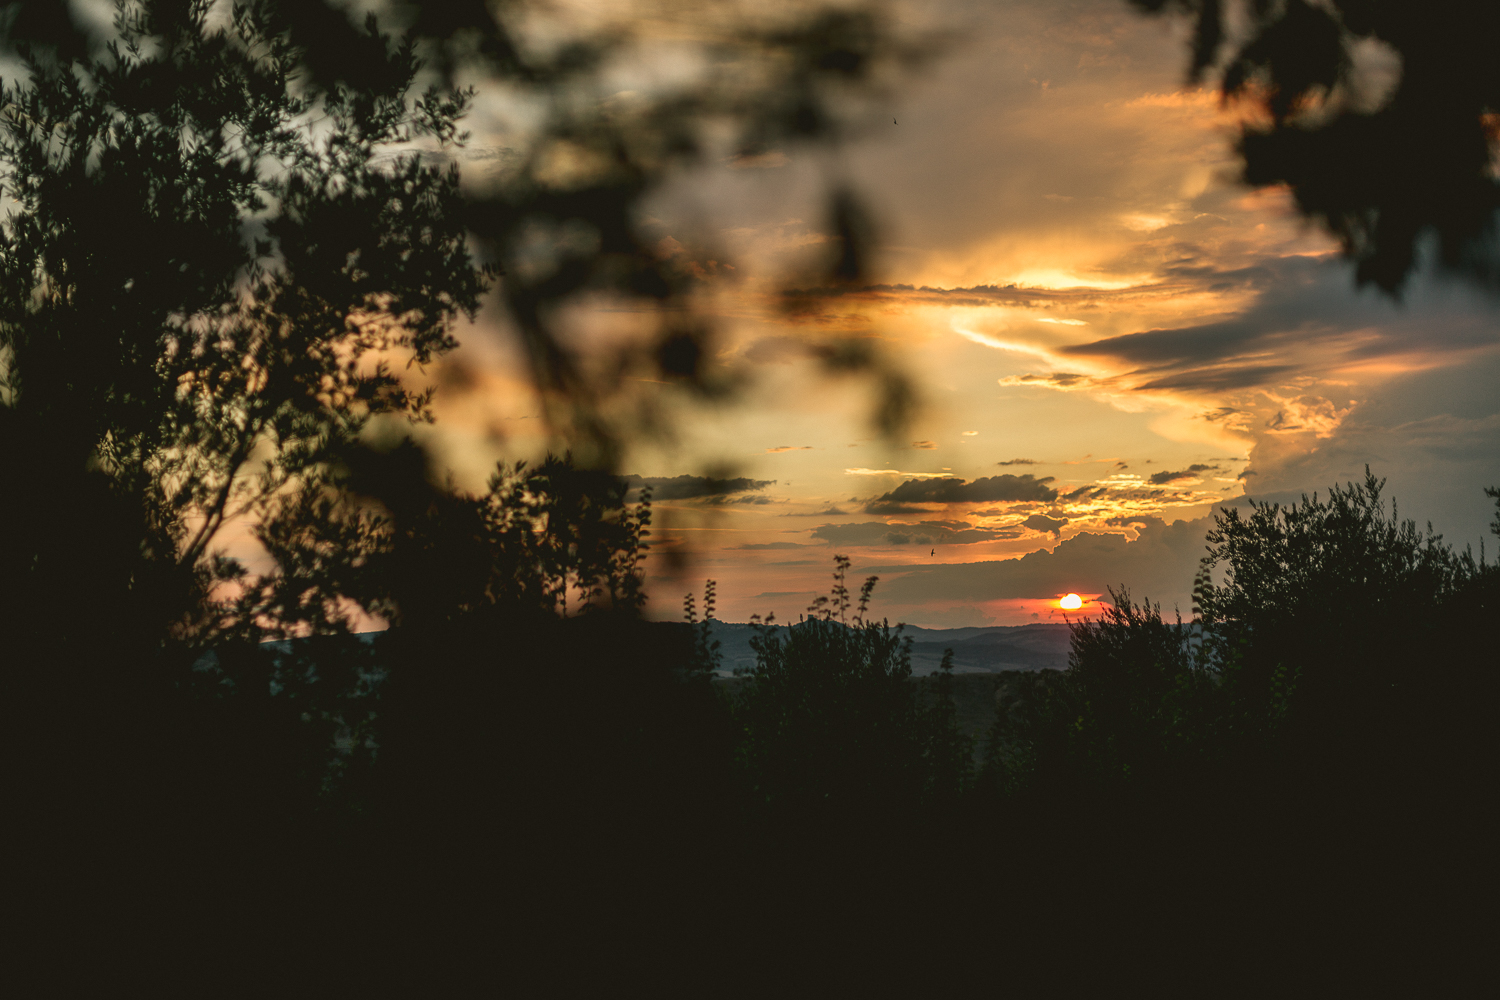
1304 770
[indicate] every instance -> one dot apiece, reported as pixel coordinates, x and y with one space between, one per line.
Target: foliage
562 207
706 649
1336 596
831 722
233 229
448 570
1134 710
1379 176
552 538
212 276
204 284
1335 645
947 753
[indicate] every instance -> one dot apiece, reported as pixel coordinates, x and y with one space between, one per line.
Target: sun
1072 602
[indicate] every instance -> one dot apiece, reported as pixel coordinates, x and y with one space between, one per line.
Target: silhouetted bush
831 726
1336 635
1134 713
1314 743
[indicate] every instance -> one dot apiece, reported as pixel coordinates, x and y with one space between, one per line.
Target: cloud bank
922 533
698 487
990 489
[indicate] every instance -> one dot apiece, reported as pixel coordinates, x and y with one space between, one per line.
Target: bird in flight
894 122
932 553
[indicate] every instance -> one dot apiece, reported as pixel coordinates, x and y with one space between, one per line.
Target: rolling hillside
975 650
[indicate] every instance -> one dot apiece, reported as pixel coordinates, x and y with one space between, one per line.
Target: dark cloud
761 546
749 498
890 509
1020 461
831 510
993 295
1137 520
1191 472
695 487
1205 341
924 445
1041 522
1293 298
1300 302
1059 380
923 533
1219 379
1004 488
1253 275
1296 302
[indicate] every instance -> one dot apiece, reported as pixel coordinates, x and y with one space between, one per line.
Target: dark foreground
551 831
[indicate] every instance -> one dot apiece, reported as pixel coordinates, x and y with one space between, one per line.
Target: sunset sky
1108 336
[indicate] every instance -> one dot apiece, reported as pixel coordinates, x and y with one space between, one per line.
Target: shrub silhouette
831 725
1332 650
1306 755
1134 712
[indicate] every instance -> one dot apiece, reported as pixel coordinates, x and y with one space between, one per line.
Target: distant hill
987 650
976 650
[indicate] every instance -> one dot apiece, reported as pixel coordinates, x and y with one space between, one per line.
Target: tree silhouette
209 281
563 217
206 281
263 232
1340 626
1334 645
1380 176
1133 713
1330 679
1307 755
230 237
832 727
